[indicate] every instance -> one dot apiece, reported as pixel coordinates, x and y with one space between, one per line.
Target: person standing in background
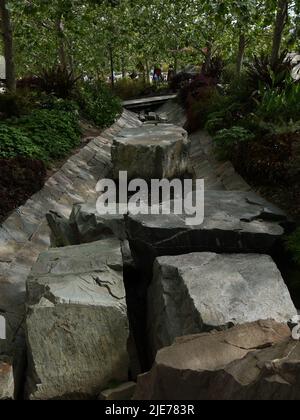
171 74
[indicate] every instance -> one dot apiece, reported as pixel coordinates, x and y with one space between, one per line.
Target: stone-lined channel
114 293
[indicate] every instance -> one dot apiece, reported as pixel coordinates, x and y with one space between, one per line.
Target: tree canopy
88 35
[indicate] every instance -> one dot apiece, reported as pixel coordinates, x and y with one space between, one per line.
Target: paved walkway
25 233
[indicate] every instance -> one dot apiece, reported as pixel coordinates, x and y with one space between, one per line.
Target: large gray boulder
234 222
77 326
257 361
151 152
198 292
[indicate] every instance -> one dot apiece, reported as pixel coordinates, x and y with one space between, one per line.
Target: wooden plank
136 103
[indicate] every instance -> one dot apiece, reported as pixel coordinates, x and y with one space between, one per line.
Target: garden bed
19 179
22 177
40 129
272 167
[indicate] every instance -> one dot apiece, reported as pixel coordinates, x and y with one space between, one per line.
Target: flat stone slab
151 152
234 222
199 292
256 361
77 327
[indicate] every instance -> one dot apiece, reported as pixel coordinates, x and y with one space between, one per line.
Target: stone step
234 222
151 152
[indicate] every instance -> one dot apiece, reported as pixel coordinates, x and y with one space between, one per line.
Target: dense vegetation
254 119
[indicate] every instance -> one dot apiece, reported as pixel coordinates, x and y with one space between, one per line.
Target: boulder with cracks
234 222
77 327
257 361
199 292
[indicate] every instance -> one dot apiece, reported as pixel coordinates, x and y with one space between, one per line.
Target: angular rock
77 327
7 387
63 233
251 361
234 222
85 225
151 152
163 117
123 392
91 226
199 292
152 116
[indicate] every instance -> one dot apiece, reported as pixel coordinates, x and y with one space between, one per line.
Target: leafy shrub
195 90
216 121
198 108
293 245
180 80
229 73
14 105
58 81
197 98
240 90
280 105
268 160
226 141
260 72
228 116
43 134
214 68
99 104
29 82
59 104
15 142
54 132
129 89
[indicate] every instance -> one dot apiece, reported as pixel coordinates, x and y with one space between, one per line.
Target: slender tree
281 20
7 34
241 52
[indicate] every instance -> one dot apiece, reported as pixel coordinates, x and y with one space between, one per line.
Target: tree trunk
175 63
112 67
7 34
123 67
147 72
241 53
62 55
281 19
208 57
